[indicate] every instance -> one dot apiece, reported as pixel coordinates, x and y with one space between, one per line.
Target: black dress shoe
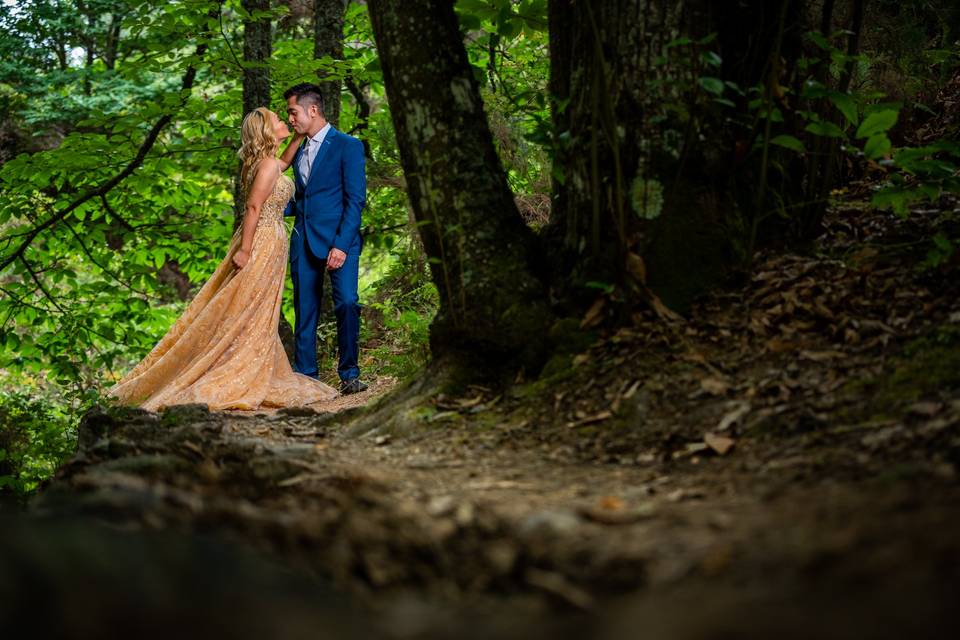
352 386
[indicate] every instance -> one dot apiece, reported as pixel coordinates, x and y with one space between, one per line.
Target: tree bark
328 18
630 209
112 45
363 113
648 195
257 47
492 305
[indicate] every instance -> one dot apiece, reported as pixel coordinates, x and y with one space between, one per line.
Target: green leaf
827 129
711 58
878 145
789 142
877 123
817 38
846 105
897 199
713 85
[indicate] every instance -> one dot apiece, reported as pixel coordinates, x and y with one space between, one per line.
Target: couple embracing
224 350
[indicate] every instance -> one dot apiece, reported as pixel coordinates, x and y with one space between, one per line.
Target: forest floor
784 461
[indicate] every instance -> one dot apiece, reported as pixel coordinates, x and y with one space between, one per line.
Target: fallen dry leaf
597 417
611 503
715 386
732 417
925 409
691 449
822 356
594 314
637 268
720 444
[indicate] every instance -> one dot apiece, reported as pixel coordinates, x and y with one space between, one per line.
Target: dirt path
782 464
446 520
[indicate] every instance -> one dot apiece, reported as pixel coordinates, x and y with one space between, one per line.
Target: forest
660 317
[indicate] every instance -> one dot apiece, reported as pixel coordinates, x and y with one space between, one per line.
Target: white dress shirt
310 152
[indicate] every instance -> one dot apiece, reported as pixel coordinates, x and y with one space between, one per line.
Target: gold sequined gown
224 351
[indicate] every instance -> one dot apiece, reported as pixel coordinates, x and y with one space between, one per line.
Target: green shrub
35 437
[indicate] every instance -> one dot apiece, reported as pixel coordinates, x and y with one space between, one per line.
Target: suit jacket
327 203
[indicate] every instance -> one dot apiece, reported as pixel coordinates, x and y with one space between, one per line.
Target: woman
224 351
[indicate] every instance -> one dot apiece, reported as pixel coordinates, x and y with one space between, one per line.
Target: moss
184 414
557 365
566 336
422 413
485 421
928 366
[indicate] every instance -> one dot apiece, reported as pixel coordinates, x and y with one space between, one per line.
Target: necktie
307 160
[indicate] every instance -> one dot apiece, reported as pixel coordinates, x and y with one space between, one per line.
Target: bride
224 351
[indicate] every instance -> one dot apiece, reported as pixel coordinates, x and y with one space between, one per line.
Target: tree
328 41
661 125
257 45
650 189
482 258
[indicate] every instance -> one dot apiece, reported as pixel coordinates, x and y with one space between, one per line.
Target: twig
39 284
114 214
225 38
106 270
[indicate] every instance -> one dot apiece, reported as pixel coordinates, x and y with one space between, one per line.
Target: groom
330 194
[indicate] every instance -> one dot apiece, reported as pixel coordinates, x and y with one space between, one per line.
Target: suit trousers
307 272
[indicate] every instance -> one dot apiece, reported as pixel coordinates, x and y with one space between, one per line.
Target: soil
782 462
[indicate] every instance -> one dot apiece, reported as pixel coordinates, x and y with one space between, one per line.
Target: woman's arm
286 158
260 190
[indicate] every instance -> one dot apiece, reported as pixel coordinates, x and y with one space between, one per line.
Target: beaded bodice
276 202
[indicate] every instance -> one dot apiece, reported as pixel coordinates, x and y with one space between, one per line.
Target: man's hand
335 259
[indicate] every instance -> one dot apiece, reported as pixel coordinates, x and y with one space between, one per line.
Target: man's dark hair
307 94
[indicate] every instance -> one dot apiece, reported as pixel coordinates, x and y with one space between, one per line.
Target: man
330 194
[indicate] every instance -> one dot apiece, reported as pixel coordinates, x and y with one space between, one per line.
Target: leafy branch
186 85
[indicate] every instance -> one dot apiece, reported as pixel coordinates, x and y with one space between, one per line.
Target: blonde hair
257 141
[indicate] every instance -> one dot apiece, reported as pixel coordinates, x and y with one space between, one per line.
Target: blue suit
327 206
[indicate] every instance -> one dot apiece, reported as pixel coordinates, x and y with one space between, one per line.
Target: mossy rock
566 336
148 464
557 366
184 413
101 421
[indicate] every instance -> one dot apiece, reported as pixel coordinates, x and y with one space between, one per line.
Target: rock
464 514
181 413
925 409
99 422
501 556
440 505
297 412
147 464
552 522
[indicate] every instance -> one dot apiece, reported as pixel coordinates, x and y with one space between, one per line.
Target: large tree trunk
631 207
257 47
328 41
648 195
492 304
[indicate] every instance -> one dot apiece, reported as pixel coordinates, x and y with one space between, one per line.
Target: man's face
298 117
